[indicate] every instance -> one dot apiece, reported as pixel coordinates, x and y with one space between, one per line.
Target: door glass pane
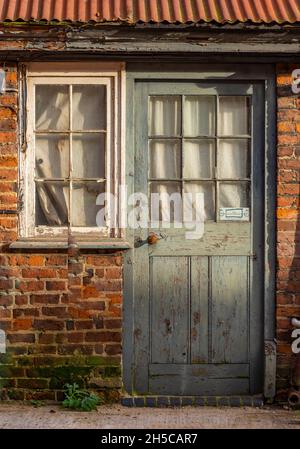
199 116
233 116
165 159
84 208
89 107
234 194
167 206
88 155
52 110
208 189
165 116
198 159
52 156
52 203
233 159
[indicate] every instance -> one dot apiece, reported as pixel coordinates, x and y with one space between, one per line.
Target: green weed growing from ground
78 399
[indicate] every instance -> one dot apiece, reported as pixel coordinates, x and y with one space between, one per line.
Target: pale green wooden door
198 303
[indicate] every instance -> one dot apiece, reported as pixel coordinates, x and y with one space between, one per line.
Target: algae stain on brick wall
27 377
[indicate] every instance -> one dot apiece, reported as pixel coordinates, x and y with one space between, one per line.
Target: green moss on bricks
4 383
5 371
73 360
16 395
102 361
56 371
69 374
68 371
10 371
57 383
112 371
25 361
6 359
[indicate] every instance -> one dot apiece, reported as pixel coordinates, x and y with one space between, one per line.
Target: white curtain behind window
233 153
199 116
52 152
233 117
165 159
198 153
165 116
52 161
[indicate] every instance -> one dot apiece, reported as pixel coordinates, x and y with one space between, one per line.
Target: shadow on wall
294 283
288 222
288 285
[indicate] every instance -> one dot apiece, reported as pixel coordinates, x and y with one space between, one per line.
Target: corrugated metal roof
152 11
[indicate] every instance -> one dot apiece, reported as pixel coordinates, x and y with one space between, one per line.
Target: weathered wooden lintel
131 40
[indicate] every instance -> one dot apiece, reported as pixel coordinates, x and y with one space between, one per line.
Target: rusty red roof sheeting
152 11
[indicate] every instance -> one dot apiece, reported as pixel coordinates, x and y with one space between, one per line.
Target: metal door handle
152 239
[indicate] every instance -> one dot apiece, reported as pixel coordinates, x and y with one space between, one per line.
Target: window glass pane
89 107
199 159
52 156
234 116
234 194
52 203
84 208
165 159
165 116
199 116
167 206
88 155
208 189
233 159
52 109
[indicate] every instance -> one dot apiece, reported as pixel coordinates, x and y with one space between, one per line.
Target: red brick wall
288 224
61 310
8 156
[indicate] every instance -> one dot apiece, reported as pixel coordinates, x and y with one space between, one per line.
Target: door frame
265 74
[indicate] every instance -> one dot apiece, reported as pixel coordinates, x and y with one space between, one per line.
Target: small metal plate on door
234 213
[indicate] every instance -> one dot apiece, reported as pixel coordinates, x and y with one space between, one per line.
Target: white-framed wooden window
73 149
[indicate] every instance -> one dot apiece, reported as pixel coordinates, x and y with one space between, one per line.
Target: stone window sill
53 243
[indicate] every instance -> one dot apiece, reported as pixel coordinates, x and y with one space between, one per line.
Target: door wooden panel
198 314
169 302
198 380
229 310
195 330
